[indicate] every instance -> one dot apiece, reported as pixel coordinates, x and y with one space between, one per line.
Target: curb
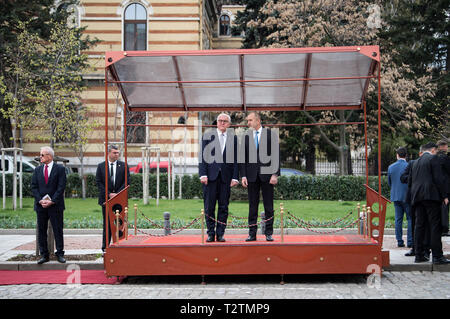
98 265
51 265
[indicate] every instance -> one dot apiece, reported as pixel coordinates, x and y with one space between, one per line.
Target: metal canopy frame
243 80
320 78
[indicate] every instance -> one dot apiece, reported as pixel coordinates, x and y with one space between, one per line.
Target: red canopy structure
242 80
293 79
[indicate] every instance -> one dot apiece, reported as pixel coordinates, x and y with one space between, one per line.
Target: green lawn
86 213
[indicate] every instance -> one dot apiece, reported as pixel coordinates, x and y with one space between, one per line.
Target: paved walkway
80 242
402 280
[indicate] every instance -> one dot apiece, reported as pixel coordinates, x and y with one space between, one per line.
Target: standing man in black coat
48 185
445 163
116 183
428 192
218 171
259 171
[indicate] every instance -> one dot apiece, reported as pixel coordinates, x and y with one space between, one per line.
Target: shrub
348 188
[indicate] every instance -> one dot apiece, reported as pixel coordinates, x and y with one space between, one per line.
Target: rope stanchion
306 225
203 226
297 221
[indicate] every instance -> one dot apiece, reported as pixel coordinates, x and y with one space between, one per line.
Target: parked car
290 172
162 167
28 164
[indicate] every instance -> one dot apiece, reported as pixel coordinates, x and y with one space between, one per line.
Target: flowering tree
312 23
45 95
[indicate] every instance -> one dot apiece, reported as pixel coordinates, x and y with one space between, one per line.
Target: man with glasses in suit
48 184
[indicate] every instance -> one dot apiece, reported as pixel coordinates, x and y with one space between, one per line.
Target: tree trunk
343 147
5 132
311 158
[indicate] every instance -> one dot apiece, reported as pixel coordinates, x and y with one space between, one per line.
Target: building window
224 25
73 19
136 134
135 28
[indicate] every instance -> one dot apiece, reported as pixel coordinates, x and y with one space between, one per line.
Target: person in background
48 184
116 183
428 191
444 158
398 196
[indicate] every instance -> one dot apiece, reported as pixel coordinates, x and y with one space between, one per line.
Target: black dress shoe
410 253
210 238
441 261
61 259
269 238
43 260
220 239
251 238
421 259
400 245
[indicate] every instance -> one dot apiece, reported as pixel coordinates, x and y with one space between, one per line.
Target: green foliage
307 187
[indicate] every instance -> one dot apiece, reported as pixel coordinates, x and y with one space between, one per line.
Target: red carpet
24 277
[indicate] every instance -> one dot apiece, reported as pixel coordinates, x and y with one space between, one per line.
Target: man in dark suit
116 183
398 194
218 171
48 184
259 171
428 192
445 163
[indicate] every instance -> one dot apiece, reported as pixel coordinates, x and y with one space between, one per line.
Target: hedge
348 188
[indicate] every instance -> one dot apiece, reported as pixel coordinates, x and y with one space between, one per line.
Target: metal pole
172 170
135 219
125 223
167 230
203 226
365 142
14 180
21 179
168 175
106 162
158 154
144 175
3 179
281 222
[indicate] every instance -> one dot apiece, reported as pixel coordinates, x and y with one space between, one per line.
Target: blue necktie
256 139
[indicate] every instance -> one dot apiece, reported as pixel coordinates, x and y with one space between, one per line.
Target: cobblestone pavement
393 285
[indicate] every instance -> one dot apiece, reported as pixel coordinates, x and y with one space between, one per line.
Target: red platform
298 254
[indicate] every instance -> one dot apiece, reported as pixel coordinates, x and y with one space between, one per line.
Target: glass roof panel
160 68
337 92
211 79
274 66
211 68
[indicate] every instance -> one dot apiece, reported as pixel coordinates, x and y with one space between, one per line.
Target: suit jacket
119 180
404 178
54 188
212 161
445 164
398 189
426 180
264 161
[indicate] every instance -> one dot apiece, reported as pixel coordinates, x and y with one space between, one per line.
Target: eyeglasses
41 155
223 121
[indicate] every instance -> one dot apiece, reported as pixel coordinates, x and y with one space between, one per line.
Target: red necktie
46 174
